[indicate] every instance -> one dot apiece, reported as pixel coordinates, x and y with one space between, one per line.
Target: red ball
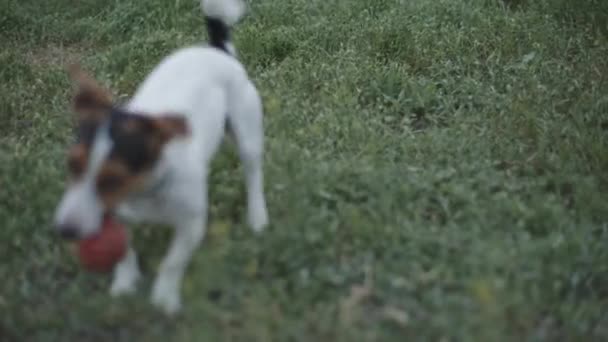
101 252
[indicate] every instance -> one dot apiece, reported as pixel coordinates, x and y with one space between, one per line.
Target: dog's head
114 152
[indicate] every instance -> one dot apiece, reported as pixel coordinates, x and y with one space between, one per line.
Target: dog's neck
157 181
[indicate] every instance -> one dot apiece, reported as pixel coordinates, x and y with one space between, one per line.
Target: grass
436 170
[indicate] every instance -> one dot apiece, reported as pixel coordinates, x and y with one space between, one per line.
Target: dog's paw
166 298
125 281
123 286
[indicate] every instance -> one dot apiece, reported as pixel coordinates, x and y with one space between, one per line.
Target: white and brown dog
148 160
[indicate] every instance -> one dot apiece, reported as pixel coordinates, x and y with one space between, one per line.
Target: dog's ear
90 100
171 126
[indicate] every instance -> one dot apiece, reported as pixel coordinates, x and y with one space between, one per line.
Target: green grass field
436 170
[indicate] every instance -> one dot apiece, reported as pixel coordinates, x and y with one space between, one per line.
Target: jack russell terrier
148 160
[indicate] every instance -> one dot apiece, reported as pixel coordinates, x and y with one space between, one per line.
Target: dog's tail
220 15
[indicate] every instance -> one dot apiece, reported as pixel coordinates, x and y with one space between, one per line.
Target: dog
148 160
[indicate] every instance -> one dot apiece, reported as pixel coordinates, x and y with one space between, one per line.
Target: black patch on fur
219 33
86 131
131 146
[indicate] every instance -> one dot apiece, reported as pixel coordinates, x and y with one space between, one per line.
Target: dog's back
189 82
200 82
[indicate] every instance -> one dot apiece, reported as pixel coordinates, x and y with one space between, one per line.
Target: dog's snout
68 231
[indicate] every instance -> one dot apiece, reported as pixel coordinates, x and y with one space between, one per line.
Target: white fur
229 11
210 88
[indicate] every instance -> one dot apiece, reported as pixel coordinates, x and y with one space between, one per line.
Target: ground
435 170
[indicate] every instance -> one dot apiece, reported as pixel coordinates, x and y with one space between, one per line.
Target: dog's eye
76 161
75 166
109 183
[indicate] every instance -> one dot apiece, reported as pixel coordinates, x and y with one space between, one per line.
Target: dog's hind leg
245 120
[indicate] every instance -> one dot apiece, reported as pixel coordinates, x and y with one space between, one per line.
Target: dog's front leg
167 286
126 274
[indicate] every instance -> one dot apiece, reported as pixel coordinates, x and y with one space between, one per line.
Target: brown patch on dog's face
78 157
138 142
